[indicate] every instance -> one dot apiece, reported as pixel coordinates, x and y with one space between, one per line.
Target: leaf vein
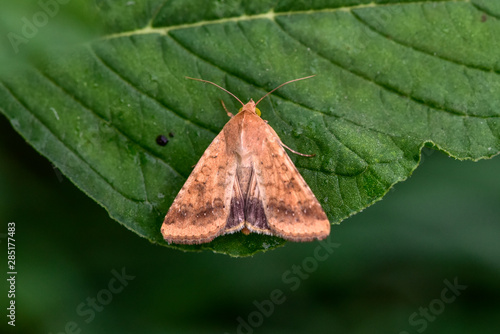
421 50
68 148
136 88
388 88
484 10
91 111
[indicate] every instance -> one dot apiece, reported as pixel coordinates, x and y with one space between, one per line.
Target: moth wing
290 207
255 216
202 208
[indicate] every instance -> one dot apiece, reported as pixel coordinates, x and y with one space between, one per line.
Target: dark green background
393 257
442 223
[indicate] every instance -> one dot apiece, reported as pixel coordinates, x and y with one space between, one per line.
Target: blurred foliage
391 78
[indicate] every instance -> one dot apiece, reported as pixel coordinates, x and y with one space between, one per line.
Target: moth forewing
291 209
200 211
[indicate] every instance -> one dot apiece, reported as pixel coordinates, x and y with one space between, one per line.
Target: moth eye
257 111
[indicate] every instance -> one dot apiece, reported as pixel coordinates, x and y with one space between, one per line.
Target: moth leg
298 153
227 111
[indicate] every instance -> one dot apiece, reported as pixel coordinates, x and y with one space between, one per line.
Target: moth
245 182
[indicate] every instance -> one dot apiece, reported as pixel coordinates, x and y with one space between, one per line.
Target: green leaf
391 77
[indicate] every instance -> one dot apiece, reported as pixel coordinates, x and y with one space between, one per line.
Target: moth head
250 106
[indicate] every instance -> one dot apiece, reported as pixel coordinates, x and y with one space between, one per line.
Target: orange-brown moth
246 182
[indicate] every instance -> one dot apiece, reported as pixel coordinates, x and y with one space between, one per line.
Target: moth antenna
216 85
286 83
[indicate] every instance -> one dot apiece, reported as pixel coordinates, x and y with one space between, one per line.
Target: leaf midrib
270 15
